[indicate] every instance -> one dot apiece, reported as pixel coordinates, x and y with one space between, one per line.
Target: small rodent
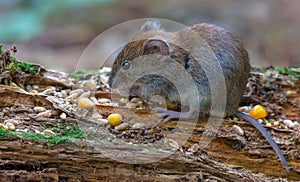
203 38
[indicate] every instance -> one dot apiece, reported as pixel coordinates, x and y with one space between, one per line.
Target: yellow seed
268 124
3 126
276 123
114 119
85 103
123 100
258 112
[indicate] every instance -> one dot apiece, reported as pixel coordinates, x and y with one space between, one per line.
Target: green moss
294 72
79 74
26 67
64 133
4 133
12 67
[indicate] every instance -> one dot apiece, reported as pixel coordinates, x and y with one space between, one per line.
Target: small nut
238 130
138 125
94 100
289 123
10 126
89 85
63 116
84 95
45 114
14 122
64 93
121 127
47 91
48 132
85 103
77 91
38 109
103 101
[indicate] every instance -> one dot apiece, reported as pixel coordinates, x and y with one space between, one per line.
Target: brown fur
230 53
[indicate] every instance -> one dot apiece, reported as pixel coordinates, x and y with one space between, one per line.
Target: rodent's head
139 67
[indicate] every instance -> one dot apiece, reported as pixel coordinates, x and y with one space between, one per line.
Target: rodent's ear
156 46
151 25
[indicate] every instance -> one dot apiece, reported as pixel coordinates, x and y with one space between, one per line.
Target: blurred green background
55 33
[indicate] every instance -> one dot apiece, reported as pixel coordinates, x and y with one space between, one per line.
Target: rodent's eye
125 65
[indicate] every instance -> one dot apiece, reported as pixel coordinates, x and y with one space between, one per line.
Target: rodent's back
233 58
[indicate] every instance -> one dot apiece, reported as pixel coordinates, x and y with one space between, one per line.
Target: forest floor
46 135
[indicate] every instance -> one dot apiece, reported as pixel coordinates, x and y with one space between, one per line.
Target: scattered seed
35 87
103 121
123 100
48 132
121 127
84 95
93 99
64 93
103 101
85 103
38 109
73 96
268 124
63 116
12 84
10 126
14 122
235 119
34 92
77 91
104 78
276 123
238 130
47 91
289 123
244 109
105 70
37 131
114 119
88 85
58 94
194 148
138 125
45 114
3 126
258 112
